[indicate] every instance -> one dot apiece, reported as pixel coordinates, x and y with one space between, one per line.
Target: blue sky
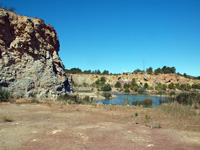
117 35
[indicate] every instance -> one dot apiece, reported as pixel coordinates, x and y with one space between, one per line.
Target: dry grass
7 119
180 116
171 115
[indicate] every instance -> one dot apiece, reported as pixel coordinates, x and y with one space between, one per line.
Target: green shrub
145 103
106 87
127 90
137 103
5 95
103 79
107 95
146 85
188 98
118 84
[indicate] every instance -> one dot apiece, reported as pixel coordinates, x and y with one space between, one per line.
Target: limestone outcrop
29 61
141 79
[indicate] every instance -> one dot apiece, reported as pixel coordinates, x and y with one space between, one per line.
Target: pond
132 98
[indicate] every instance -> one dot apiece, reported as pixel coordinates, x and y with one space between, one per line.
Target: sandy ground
81 127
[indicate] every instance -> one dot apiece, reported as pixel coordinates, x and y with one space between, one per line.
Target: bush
146 85
171 86
118 84
127 85
103 79
107 95
141 90
149 70
137 103
106 87
4 95
188 98
127 90
145 103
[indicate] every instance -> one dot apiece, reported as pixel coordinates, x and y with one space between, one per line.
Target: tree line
163 70
79 71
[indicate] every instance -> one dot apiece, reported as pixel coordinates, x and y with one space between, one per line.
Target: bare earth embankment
79 127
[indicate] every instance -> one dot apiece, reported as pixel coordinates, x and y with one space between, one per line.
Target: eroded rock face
29 61
141 79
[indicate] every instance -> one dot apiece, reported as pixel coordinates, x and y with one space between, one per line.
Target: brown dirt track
85 127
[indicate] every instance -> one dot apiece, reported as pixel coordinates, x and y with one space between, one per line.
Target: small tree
127 85
133 82
103 79
150 70
106 87
171 86
146 85
118 84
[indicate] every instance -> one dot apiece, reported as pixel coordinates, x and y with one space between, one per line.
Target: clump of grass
136 114
7 119
145 103
147 118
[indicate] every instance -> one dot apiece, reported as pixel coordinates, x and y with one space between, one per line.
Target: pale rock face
141 79
29 61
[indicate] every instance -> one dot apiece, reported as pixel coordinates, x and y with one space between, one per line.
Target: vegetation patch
7 119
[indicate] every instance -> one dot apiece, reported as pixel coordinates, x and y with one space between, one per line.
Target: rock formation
29 61
141 79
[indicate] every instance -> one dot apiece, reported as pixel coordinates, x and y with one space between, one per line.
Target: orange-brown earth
51 126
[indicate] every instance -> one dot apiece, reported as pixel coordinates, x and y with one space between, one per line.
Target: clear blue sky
117 35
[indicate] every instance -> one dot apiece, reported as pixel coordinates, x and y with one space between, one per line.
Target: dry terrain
51 126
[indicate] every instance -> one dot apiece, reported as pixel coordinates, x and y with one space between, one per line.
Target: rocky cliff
141 79
29 61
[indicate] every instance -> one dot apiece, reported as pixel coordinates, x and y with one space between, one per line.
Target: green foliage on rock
127 90
127 85
171 86
118 84
146 85
106 87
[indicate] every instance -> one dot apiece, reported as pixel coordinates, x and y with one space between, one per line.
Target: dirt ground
85 127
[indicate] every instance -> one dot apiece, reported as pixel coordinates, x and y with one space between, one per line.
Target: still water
119 99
